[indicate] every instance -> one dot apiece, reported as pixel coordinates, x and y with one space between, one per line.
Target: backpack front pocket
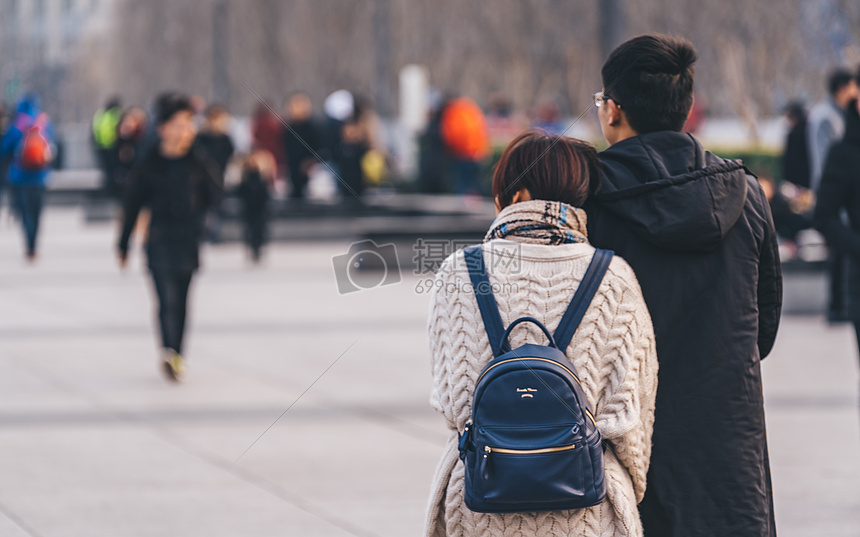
530 464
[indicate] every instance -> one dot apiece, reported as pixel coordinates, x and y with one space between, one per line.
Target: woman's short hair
169 104
553 168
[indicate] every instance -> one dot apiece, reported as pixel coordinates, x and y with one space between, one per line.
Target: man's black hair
651 78
838 79
169 104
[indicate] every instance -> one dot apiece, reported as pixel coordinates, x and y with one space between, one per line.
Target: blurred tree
755 56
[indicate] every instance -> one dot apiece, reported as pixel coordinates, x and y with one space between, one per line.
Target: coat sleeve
836 187
135 198
626 417
769 291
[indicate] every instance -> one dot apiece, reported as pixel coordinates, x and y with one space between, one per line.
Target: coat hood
29 104
672 192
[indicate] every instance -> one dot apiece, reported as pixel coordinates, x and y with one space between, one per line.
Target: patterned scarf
540 222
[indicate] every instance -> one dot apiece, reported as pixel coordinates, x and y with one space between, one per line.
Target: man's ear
616 115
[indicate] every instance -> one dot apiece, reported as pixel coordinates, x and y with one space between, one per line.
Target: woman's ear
521 195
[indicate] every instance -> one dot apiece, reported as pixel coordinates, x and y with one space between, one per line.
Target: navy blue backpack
532 443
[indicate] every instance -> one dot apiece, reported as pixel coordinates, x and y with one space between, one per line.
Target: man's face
179 131
847 93
299 108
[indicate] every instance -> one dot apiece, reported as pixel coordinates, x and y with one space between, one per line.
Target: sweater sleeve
441 337
625 412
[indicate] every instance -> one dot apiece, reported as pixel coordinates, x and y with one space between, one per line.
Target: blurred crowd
811 164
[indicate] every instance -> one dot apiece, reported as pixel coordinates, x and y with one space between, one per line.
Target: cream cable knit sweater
613 351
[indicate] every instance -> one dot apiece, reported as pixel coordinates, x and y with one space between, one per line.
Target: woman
840 191
537 252
178 185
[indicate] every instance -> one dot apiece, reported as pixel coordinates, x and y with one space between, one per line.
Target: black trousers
255 230
171 287
298 182
28 203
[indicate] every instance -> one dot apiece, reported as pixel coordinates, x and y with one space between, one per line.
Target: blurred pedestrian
253 191
548 117
795 159
503 122
267 132
214 140
4 159
301 142
104 139
214 136
131 134
464 130
827 121
352 148
698 233
178 185
338 107
28 143
434 160
840 192
788 221
826 127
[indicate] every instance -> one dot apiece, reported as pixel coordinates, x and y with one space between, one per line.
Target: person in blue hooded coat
698 233
26 184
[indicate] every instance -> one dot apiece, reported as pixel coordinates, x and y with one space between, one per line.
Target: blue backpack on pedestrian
532 443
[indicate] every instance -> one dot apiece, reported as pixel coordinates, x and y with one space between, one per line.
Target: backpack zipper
532 358
488 449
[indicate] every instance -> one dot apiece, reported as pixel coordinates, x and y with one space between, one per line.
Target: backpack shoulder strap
484 293
582 298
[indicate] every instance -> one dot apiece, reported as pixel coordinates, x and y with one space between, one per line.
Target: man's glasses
600 98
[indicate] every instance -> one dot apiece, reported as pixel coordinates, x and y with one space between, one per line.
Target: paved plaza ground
93 442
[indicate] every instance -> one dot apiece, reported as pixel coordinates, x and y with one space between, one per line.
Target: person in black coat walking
698 232
178 186
795 160
840 189
301 143
253 191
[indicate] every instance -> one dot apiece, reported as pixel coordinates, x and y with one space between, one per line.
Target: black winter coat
178 193
840 189
698 232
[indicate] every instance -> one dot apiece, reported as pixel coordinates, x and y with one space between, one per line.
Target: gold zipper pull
484 461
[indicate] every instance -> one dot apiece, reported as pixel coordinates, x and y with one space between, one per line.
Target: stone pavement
94 443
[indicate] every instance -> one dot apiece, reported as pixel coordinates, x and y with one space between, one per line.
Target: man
300 142
178 186
215 142
827 126
827 121
105 123
838 193
27 148
698 232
